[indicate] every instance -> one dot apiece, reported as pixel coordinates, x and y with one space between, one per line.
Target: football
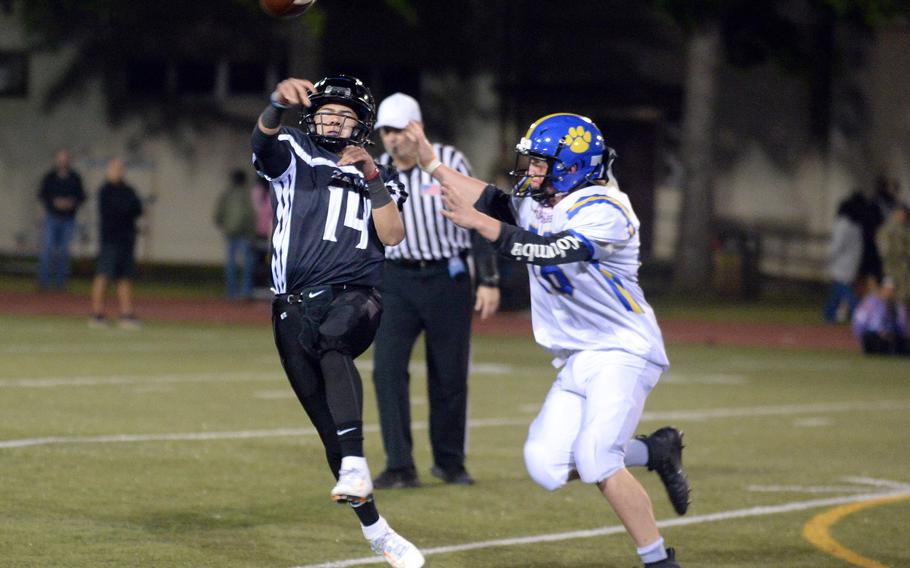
286 8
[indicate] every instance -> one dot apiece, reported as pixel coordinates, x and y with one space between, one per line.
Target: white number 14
355 201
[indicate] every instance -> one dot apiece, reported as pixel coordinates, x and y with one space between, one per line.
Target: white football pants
588 417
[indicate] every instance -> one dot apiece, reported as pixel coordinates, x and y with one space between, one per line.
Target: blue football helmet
574 150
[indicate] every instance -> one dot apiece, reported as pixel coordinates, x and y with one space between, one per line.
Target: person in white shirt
568 220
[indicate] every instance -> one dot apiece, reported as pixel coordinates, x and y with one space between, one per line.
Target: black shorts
117 260
328 318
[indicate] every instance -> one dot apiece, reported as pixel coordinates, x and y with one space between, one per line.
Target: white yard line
781 410
691 415
205 436
861 485
417 369
171 378
883 483
806 489
618 529
232 346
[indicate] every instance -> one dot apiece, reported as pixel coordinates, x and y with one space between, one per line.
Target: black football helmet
348 91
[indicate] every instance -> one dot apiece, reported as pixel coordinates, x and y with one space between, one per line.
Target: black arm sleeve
531 248
484 260
496 203
272 157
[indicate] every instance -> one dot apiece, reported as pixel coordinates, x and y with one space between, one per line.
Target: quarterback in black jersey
335 210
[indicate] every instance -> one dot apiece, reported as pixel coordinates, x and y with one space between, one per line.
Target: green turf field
182 445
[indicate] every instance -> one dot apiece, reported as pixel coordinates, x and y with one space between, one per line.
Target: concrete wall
180 180
768 173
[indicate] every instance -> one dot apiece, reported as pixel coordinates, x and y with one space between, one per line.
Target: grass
763 428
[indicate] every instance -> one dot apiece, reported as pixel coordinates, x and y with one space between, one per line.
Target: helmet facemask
351 93
538 187
573 149
359 135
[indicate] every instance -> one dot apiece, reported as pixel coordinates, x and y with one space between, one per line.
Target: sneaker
397 550
453 477
397 478
354 485
130 323
668 562
665 457
98 322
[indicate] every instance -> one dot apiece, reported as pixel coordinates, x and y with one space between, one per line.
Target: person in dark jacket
61 194
118 209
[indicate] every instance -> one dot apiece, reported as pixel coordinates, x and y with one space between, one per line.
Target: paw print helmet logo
574 150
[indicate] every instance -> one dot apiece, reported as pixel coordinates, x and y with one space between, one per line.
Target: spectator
893 241
870 218
880 322
236 218
885 197
118 209
262 202
844 256
426 288
61 194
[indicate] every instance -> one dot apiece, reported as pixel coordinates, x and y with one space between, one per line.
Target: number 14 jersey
322 228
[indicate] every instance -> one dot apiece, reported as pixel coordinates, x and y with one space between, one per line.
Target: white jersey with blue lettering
596 304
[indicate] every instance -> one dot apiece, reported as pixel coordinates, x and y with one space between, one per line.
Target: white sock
375 530
654 552
636 453
354 462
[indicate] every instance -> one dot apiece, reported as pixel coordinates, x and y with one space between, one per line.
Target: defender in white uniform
568 220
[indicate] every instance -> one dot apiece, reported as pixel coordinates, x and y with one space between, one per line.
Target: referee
427 287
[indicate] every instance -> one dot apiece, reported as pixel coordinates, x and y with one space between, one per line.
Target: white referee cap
397 110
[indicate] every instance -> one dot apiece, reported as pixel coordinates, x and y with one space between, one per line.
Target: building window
146 77
13 74
196 77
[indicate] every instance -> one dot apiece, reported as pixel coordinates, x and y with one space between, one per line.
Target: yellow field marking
816 530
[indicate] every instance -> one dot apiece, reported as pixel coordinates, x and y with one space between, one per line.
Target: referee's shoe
668 562
665 457
397 478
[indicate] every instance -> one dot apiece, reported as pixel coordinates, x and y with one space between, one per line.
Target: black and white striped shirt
428 235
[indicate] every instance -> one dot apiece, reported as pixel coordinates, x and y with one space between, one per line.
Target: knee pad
596 458
543 469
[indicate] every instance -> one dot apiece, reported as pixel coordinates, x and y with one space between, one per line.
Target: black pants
875 344
318 333
426 300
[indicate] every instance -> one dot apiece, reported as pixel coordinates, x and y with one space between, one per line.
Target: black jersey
323 228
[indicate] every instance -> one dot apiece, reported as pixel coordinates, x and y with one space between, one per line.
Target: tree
147 54
746 33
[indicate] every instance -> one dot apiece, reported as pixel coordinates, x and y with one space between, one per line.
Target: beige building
769 176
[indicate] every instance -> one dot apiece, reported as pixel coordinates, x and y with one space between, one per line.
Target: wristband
372 176
273 100
379 193
431 167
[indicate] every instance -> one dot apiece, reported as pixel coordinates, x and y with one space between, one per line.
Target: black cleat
397 478
665 457
668 562
455 477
